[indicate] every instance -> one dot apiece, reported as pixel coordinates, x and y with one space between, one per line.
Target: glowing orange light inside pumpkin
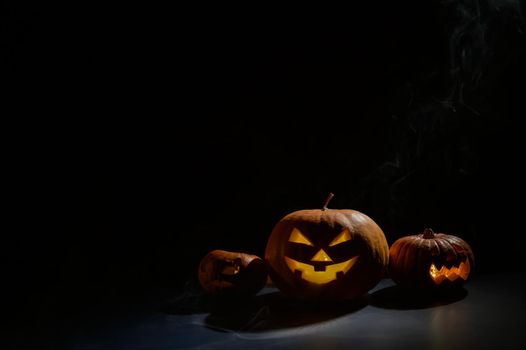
320 277
330 272
344 236
439 275
297 237
321 256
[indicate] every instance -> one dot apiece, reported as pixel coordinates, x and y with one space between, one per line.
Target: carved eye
344 236
297 237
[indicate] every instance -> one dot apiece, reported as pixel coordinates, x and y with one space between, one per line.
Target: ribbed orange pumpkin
231 273
429 259
326 254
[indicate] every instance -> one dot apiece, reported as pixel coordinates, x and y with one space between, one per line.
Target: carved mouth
451 274
331 272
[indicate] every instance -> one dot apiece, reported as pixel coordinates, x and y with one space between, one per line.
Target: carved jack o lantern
326 254
430 260
232 274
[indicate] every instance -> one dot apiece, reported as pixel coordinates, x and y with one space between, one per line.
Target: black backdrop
146 137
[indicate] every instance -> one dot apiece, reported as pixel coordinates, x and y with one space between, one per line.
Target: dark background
142 137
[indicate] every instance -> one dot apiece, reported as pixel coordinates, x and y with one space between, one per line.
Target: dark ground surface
487 313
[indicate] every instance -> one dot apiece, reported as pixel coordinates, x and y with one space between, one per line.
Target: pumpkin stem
327 201
428 233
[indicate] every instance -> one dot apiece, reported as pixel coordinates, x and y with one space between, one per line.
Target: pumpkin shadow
403 298
273 311
269 310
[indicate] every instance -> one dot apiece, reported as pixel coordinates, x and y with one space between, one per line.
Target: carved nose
321 256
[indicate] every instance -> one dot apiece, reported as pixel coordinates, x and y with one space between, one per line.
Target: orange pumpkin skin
226 273
430 260
326 254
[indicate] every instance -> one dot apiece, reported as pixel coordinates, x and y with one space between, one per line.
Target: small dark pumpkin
232 274
429 259
326 254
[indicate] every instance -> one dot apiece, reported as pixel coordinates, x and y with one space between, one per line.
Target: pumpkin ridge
401 258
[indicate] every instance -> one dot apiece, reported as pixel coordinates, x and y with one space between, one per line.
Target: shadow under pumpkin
272 310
